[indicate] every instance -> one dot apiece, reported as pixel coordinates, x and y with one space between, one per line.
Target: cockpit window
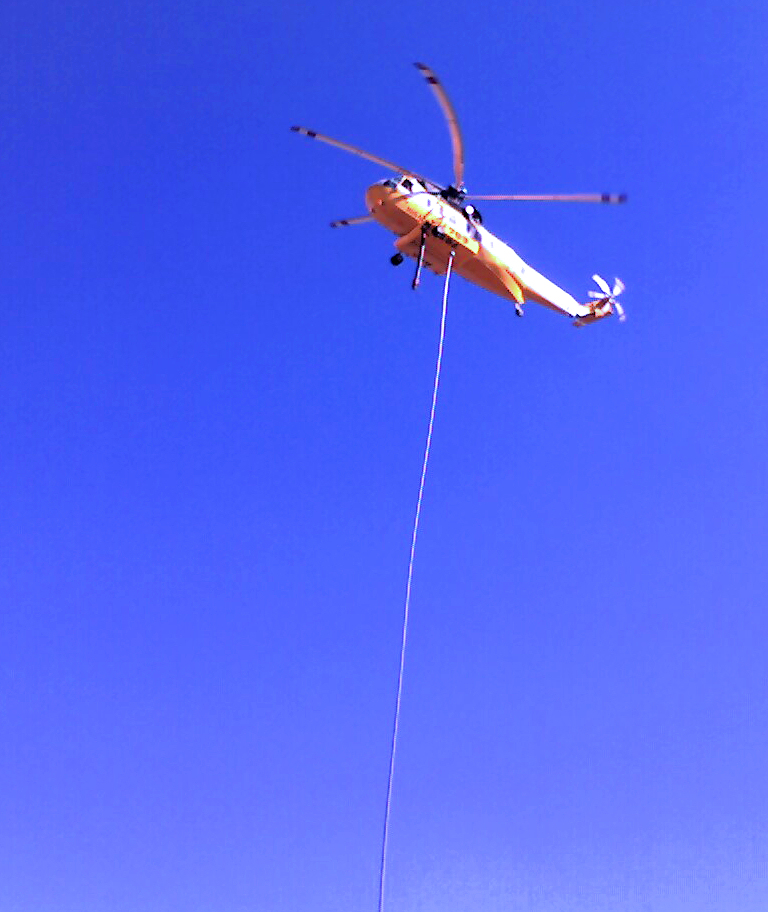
407 183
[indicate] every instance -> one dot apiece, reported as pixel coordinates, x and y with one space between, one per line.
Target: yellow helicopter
438 228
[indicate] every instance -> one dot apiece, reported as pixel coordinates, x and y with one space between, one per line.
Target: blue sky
213 412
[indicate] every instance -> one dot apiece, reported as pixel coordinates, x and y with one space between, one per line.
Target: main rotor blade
352 221
556 197
361 153
453 122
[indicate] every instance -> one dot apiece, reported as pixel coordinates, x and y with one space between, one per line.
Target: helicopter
439 228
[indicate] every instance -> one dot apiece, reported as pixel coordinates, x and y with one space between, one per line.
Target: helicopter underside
445 228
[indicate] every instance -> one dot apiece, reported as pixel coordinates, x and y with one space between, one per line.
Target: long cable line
396 724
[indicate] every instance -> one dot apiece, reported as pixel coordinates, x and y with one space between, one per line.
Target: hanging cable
396 724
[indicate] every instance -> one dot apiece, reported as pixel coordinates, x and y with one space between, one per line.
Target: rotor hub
454 194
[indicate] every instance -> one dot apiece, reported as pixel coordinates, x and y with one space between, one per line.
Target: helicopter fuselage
410 208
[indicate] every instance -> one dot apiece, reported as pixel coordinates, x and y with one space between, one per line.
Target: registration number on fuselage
459 237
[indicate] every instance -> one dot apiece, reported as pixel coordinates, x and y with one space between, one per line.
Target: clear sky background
213 413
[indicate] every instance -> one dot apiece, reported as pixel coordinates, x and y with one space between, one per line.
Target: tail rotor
605 299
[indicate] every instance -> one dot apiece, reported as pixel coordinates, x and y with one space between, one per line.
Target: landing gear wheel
396 260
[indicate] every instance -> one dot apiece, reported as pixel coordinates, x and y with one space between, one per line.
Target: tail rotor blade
602 285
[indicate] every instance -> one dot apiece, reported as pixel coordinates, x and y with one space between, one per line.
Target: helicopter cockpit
395 182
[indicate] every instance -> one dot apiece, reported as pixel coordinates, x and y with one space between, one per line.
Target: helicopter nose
376 196
373 195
